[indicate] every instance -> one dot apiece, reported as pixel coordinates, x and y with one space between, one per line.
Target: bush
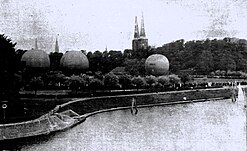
96 84
151 80
36 83
138 82
163 81
125 81
76 82
185 78
111 80
174 79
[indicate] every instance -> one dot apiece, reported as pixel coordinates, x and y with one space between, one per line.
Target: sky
99 24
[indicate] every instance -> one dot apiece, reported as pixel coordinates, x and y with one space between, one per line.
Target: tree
75 83
138 82
55 58
227 63
135 67
85 79
95 60
53 78
125 81
19 54
151 80
127 53
8 68
111 80
59 78
36 83
174 79
96 84
163 81
205 63
185 78
10 79
99 75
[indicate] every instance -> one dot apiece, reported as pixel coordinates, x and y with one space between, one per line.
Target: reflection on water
214 125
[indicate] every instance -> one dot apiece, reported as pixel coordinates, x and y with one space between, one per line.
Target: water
209 126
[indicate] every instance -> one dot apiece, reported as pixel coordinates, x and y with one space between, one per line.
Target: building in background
140 42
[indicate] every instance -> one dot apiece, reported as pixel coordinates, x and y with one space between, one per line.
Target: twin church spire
140 42
142 33
136 33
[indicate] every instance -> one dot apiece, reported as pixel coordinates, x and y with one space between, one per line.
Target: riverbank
210 125
86 106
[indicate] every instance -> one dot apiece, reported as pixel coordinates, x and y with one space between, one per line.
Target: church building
140 42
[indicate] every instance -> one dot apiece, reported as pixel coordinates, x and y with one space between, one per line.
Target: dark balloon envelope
157 65
74 60
36 59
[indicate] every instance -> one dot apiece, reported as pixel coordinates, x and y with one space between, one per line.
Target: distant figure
134 107
234 93
184 98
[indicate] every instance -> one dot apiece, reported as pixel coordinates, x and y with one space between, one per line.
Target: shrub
163 81
151 80
96 84
75 82
174 79
125 81
111 80
138 82
36 83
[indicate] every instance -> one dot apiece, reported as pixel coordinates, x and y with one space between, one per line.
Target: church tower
56 46
136 32
140 42
142 34
36 44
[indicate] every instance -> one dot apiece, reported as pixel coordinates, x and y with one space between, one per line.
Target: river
206 126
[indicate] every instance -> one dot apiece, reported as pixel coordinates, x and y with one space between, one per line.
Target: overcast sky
94 24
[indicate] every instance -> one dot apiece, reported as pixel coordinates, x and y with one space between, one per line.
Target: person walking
234 92
134 107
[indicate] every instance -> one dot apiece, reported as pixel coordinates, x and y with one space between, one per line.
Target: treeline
206 56
109 81
194 57
209 57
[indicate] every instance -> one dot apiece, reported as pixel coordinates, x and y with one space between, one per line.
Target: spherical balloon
74 60
157 65
36 59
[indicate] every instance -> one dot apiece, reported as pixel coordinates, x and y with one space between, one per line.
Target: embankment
59 118
44 125
95 104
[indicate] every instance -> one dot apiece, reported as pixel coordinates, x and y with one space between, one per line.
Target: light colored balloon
157 64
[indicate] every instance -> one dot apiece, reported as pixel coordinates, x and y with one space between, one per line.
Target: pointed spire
36 44
142 34
56 46
136 34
